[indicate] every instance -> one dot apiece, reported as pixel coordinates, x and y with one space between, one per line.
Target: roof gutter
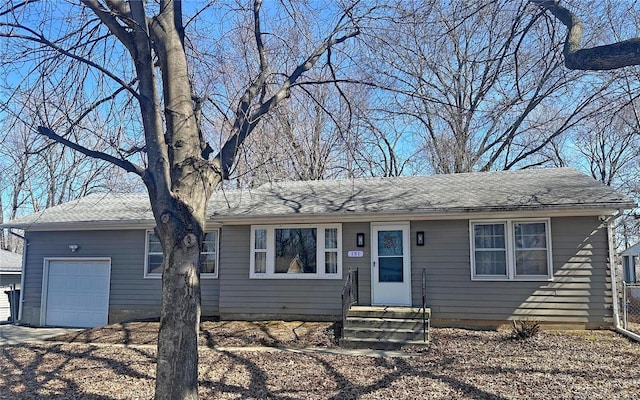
92 225
614 280
15 234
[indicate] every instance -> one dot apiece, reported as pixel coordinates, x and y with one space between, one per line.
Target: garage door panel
81 285
77 293
88 320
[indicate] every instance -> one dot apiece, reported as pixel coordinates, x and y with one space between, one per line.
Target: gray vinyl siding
242 297
361 264
131 296
580 291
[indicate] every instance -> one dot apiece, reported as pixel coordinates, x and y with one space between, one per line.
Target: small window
331 251
530 248
154 254
490 249
510 250
208 256
297 251
260 251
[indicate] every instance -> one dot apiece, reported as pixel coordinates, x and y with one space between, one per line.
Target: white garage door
77 293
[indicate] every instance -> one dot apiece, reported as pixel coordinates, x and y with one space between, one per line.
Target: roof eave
82 225
90 225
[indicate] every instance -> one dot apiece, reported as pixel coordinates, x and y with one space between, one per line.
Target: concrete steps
387 328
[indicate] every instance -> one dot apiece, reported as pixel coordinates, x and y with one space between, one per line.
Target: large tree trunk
181 232
180 182
180 213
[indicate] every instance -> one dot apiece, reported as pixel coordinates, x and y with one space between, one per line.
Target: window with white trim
208 256
511 250
296 252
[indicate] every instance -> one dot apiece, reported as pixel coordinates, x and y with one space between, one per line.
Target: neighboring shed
631 263
10 273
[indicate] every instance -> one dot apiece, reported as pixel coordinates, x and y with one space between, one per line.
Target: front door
390 264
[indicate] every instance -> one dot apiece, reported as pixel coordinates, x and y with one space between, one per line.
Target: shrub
525 329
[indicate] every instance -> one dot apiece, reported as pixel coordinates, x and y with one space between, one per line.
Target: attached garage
75 292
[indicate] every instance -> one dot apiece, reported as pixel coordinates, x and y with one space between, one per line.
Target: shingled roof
525 190
10 263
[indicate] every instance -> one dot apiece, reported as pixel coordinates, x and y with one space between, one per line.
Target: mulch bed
460 364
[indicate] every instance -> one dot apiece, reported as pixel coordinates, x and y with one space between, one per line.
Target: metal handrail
424 304
349 292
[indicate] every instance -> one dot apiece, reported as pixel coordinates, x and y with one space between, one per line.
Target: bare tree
479 82
38 174
302 140
610 145
610 151
120 56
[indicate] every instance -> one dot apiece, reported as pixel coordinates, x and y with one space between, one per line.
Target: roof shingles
10 262
559 188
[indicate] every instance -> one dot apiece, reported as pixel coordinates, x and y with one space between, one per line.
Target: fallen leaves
459 364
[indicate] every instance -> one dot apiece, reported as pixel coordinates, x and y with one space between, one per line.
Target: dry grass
634 327
460 364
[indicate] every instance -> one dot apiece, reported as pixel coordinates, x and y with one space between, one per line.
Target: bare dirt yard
460 364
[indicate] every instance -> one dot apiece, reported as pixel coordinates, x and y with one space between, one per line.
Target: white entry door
390 264
76 292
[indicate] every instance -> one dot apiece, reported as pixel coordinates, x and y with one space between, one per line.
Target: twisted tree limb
599 58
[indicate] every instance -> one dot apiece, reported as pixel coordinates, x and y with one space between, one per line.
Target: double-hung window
296 251
208 256
511 249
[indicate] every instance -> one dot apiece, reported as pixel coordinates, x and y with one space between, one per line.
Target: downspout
614 280
24 264
25 246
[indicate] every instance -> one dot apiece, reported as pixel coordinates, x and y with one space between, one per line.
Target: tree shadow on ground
264 385
399 368
269 334
47 371
128 333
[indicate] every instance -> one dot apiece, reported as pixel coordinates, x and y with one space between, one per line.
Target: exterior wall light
360 239
420 238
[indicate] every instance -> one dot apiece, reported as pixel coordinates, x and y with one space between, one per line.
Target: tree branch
257 29
599 58
245 120
97 104
246 124
124 164
111 22
14 8
42 40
